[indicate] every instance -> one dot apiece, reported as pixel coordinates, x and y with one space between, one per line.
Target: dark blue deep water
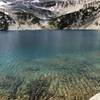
72 57
37 44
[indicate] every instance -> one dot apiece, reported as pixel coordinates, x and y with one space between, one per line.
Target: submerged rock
9 86
38 90
32 69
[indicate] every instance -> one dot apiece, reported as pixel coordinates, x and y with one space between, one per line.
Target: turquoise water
69 59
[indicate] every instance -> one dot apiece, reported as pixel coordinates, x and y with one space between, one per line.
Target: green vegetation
24 17
5 21
77 18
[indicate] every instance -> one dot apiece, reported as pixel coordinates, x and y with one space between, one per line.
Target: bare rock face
58 14
96 97
45 9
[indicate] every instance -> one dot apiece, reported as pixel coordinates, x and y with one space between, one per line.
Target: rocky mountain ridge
51 14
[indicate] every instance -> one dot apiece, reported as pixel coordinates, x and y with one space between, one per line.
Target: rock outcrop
96 97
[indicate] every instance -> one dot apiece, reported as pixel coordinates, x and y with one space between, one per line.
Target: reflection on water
49 65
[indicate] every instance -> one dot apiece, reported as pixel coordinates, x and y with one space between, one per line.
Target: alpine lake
49 64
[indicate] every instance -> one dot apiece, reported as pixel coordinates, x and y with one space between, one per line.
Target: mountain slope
59 14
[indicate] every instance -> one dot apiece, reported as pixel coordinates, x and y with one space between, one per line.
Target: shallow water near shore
49 65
